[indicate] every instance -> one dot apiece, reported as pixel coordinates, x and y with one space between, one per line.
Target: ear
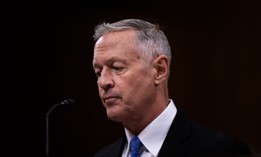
161 65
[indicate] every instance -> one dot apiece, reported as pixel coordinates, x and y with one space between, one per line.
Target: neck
145 118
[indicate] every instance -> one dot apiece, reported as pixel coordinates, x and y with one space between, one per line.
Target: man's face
126 84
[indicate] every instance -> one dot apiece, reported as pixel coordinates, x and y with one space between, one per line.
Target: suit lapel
117 147
176 142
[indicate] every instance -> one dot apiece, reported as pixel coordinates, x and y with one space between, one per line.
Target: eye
118 68
98 74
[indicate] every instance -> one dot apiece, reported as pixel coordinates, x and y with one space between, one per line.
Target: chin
114 116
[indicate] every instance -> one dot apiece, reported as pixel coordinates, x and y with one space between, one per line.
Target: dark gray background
47 57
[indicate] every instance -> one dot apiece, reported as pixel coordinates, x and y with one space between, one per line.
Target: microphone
64 103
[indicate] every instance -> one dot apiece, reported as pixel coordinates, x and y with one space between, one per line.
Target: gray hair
151 41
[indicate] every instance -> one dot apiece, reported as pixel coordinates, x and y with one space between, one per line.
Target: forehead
119 44
113 39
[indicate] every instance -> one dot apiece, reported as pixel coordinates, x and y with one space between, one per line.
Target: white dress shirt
153 135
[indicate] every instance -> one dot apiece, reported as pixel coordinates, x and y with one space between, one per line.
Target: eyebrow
110 60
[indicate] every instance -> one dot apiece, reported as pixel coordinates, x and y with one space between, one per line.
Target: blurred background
47 57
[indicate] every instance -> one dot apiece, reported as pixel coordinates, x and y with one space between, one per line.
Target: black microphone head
64 103
67 102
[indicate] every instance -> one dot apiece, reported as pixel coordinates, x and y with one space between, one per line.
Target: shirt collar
154 134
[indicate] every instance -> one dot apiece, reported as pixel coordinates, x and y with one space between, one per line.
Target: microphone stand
66 102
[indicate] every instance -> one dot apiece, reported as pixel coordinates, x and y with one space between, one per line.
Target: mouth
110 100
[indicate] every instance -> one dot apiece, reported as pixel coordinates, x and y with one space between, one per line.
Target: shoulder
112 150
204 141
213 141
106 150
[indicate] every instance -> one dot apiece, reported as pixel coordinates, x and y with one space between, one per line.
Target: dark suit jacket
188 139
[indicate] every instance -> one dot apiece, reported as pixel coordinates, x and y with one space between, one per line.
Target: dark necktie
135 145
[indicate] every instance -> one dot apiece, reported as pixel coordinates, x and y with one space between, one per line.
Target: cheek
139 86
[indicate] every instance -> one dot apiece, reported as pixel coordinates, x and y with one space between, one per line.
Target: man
132 63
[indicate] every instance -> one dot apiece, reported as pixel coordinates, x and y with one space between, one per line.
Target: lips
110 99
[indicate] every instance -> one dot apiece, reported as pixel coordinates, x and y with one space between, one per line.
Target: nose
105 81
